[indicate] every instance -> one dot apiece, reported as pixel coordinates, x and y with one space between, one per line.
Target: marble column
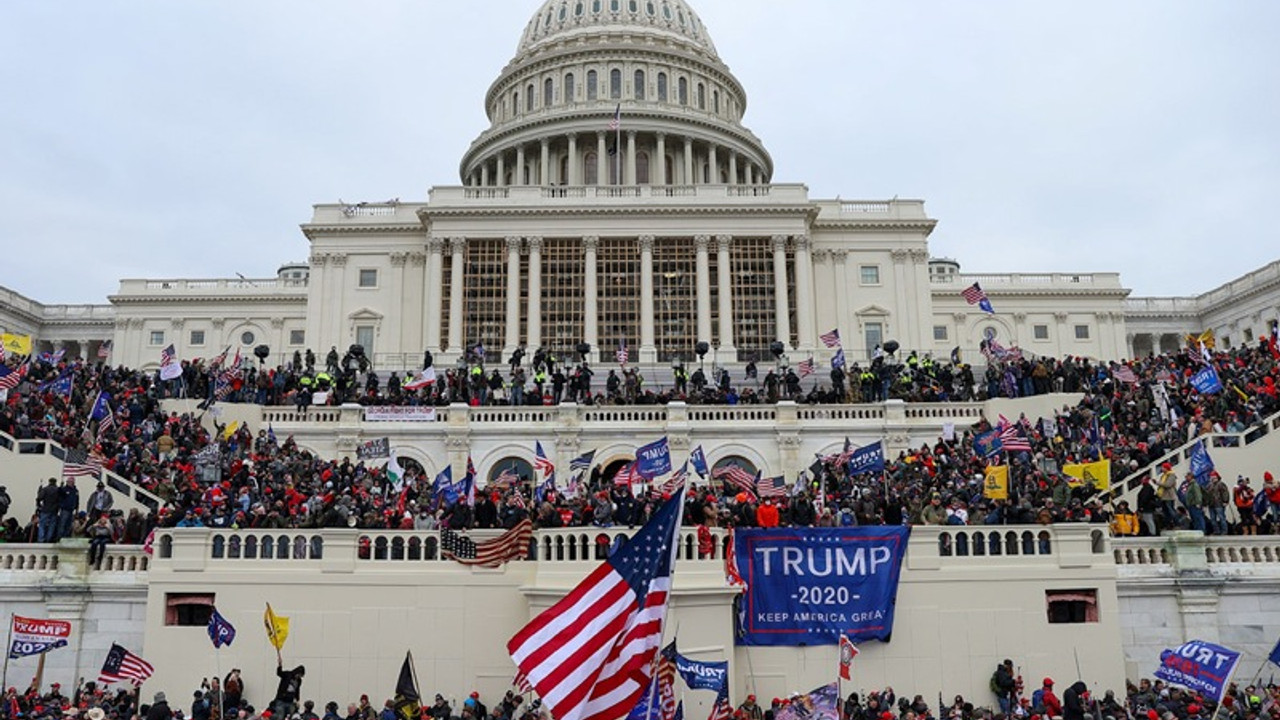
703 267
591 301
501 180
519 174
688 162
544 163
511 338
629 176
781 310
713 173
733 167
602 160
434 281
648 346
850 262
658 164
805 301
457 245
484 173
535 292
724 291
573 178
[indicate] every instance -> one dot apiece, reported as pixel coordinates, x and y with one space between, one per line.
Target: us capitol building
664 231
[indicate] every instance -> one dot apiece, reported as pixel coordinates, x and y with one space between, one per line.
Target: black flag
407 701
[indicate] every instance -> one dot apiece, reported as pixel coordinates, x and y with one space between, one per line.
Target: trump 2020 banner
807 586
1199 666
32 636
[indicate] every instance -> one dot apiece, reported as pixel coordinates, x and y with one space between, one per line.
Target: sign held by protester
399 413
374 449
1200 667
32 636
807 586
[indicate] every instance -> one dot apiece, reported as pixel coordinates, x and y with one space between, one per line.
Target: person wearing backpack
1004 685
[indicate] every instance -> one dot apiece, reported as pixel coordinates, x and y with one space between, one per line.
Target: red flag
847 653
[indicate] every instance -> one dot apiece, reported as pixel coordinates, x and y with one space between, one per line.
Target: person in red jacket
1052 705
767 514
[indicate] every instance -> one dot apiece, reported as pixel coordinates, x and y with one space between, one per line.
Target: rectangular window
1082 332
297 337
870 274
197 337
364 338
939 332
157 337
188 609
1071 606
1041 332
1248 335
368 278
874 334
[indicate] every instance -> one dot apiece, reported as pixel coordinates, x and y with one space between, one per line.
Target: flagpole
217 666
617 147
8 648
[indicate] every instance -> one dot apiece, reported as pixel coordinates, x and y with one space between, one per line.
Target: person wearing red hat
1167 494
750 710
1050 702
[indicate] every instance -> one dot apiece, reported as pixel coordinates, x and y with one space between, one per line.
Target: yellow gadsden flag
16 344
230 430
995 483
1098 472
277 628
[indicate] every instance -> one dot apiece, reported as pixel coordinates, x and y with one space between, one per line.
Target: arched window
591 84
639 85
662 87
568 88
715 102
633 5
590 176
515 103
548 92
642 168
577 9
528 98
615 5
510 470
682 91
702 96
615 84
595 6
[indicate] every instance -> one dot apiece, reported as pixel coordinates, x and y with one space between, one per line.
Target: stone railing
692 194
1162 306
215 286
67 560
998 280
1192 550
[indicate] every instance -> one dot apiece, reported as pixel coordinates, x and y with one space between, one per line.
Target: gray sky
189 139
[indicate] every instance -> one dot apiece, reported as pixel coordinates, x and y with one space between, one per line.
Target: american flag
122 665
105 425
627 475
519 498
666 679
1011 438
80 463
731 573
676 481
831 339
10 378
622 355
591 655
806 367
616 122
220 358
167 356
975 296
733 474
510 545
506 478
583 461
722 710
104 349
1125 374
772 487
541 463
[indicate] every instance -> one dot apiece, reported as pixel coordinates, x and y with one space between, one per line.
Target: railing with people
119 484
49 558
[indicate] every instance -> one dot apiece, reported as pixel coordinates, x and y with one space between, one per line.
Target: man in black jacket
1075 701
159 709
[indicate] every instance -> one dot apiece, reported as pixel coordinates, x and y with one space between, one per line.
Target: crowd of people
1130 414
226 697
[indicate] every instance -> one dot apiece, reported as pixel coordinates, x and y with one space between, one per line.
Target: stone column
688 161
899 311
1062 339
703 287
484 173
457 245
648 347
501 180
629 176
846 264
805 302
518 175
511 338
713 173
591 304
602 164
658 171
535 292
781 311
573 178
724 290
733 167
434 281
544 164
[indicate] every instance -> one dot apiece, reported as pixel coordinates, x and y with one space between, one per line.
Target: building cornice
873 226
427 214
300 299
314 231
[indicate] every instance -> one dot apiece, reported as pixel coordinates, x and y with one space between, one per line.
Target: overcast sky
190 139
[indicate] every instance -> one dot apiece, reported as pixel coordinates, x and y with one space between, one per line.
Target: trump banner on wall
32 636
807 586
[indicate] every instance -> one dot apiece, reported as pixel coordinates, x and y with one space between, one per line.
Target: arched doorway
508 471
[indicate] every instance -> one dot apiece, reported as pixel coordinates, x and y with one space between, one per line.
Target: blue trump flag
1274 657
101 406
1206 381
653 459
867 459
1201 463
699 675
1199 666
650 707
221 632
988 443
443 485
807 586
699 461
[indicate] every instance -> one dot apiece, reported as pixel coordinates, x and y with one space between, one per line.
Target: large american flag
722 710
122 665
496 552
168 355
627 475
772 487
805 367
1011 439
80 463
622 355
591 655
10 378
541 462
104 349
734 474
973 294
583 461
831 339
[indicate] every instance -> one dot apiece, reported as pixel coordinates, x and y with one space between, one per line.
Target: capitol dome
615 92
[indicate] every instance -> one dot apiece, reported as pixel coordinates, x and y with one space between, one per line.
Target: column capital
417 259
535 243
546 142
318 260
959 317
660 135
1060 317
646 243
571 137
600 135
803 242
1019 317
840 254
513 243
701 242
780 242
457 243
631 134
590 242
398 259
338 259
435 244
899 256
821 255
724 241
919 255
177 322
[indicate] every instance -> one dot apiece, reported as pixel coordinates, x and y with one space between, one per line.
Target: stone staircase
27 464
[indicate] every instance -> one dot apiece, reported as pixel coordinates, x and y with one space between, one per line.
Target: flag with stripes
806 367
122 665
975 296
496 552
616 122
506 478
666 679
1011 439
81 463
104 349
731 573
628 475
735 476
772 487
541 463
10 378
583 461
722 710
591 655
676 481
831 339
518 496
622 355
170 368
